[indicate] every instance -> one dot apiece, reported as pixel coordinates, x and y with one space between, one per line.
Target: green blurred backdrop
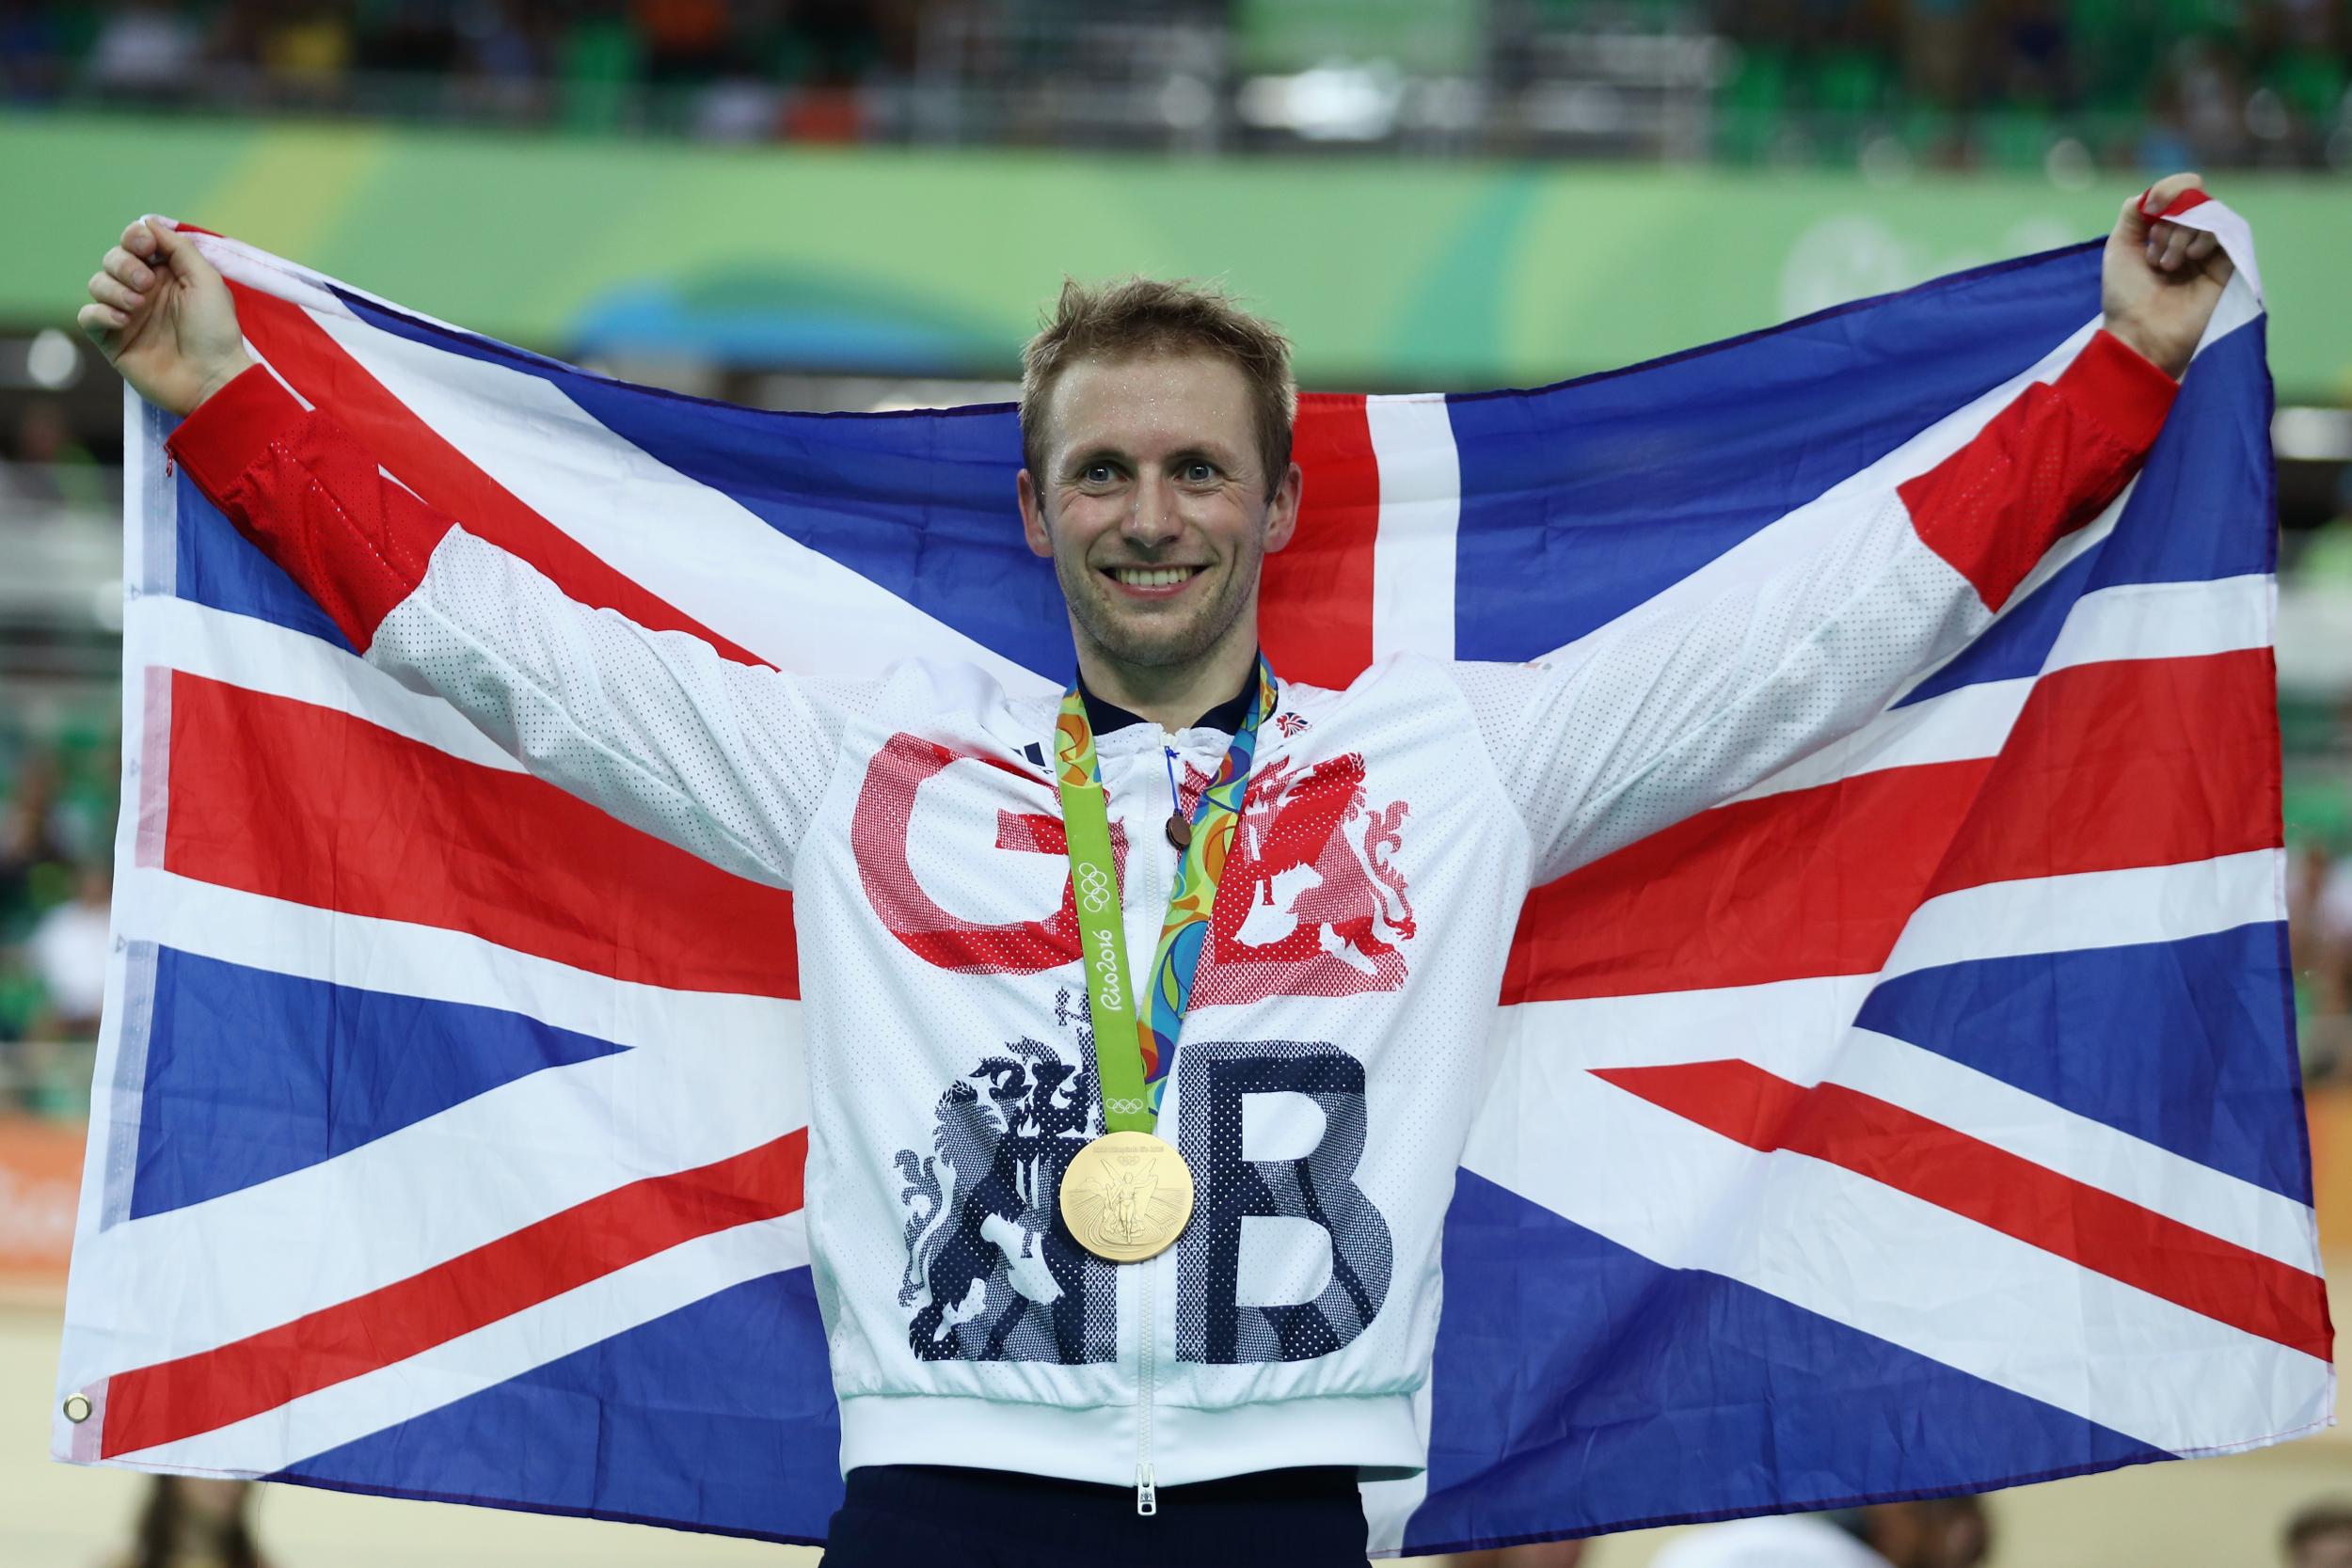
1390 275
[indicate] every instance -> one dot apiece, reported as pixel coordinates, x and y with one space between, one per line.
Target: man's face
1155 506
2328 1549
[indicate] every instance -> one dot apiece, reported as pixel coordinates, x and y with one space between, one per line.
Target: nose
1151 521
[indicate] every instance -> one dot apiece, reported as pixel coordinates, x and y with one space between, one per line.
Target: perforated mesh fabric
727 761
1659 716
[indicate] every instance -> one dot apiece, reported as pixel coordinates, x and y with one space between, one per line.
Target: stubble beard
1155 642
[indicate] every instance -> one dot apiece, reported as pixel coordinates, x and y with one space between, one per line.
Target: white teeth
1152 577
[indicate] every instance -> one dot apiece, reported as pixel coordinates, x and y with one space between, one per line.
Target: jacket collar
1229 716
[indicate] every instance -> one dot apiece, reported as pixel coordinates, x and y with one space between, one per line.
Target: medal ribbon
1134 1083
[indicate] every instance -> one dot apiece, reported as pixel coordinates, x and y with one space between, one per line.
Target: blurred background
861 204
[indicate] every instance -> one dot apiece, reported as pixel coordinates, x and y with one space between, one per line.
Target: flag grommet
77 1408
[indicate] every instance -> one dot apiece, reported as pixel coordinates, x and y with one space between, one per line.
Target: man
1102 1279
2320 1536
1936 1532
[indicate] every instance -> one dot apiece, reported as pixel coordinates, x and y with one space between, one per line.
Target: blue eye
1199 473
1096 473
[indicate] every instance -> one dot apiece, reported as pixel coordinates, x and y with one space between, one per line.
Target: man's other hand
2159 282
163 318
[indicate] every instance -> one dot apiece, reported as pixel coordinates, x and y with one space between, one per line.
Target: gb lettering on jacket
1314 904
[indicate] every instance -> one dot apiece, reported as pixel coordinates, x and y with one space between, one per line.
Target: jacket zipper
1146 1490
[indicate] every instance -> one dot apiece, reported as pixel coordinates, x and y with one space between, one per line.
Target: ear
1033 516
1281 513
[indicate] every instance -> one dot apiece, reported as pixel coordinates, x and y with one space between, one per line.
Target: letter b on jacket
1239 1285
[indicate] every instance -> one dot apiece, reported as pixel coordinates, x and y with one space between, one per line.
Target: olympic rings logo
1125 1107
1094 889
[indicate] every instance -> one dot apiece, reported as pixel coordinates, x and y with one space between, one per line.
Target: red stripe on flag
1316 625
1816 881
2148 761
295 802
324 371
2005 1192
2143 762
203 1392
2185 202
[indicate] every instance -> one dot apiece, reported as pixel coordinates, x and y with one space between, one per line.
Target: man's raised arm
1664 716
725 760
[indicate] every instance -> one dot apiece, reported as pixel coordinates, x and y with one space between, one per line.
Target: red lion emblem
1312 903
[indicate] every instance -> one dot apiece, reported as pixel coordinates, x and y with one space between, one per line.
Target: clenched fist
164 319
2159 282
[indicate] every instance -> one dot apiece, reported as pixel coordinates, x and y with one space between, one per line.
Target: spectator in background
148 50
306 50
2319 927
2320 1537
1547 1553
1936 52
32 63
48 466
1936 1532
2326 554
496 42
737 107
196 1522
34 842
502 59
2036 68
2210 88
67 955
685 41
413 38
67 949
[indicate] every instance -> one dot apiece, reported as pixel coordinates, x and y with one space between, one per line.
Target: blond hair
1145 315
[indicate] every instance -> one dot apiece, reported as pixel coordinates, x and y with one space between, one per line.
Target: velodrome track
2193 1515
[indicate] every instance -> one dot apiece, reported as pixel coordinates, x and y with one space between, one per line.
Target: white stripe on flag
2165 619
1799 1030
513 1345
1866 1255
242 263
259 655
1784 1029
457 1180
400 958
692 546
1420 506
2089 1152
2093 909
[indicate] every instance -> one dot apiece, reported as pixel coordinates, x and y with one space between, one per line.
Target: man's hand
164 319
2159 282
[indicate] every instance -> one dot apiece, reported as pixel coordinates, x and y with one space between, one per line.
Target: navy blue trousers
932 1516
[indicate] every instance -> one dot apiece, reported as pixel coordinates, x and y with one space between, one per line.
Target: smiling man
1156 441
1124 1220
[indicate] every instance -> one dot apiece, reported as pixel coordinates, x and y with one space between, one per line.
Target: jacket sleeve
1660 715
727 761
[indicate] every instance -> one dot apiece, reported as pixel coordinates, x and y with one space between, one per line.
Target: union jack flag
1924 1120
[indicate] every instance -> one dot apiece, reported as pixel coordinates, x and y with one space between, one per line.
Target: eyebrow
1079 459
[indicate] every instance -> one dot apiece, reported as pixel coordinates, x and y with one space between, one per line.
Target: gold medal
1126 1196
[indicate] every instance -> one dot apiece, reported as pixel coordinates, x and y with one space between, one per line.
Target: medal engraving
1126 1196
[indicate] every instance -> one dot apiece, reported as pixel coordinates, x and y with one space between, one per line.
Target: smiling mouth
1150 578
